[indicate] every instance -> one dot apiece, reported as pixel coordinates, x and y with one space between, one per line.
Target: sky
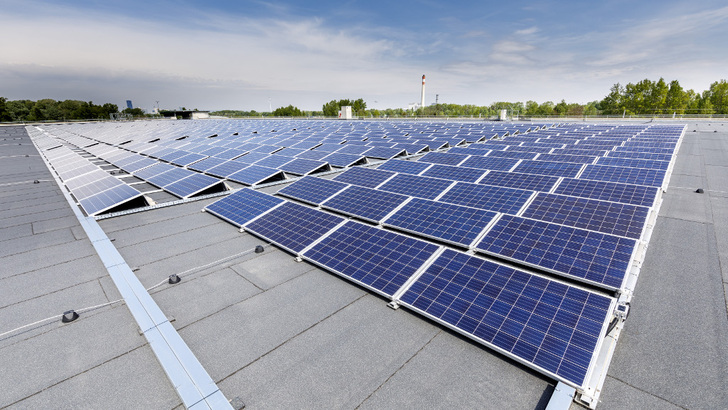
257 55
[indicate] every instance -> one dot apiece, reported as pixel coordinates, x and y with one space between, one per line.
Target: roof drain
174 278
259 249
69 316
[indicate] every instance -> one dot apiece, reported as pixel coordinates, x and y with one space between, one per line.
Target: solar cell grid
451 173
586 255
608 191
302 166
495 163
443 158
447 222
378 259
512 154
559 169
273 161
367 177
191 185
636 176
365 203
207 163
543 323
602 216
255 174
342 160
405 167
226 168
108 199
168 177
242 206
293 226
578 159
416 186
384 152
494 198
312 190
633 163
532 182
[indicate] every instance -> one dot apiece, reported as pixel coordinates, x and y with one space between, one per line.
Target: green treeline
643 98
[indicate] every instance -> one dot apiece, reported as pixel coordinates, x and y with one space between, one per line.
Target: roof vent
700 191
69 316
174 278
259 249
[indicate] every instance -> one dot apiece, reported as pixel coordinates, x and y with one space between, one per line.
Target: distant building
185 114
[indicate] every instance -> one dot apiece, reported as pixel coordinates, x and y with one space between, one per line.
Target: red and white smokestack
422 98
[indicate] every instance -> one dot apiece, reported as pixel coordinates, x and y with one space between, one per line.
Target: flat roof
273 332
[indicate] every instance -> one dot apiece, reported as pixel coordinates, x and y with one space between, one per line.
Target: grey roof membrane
276 333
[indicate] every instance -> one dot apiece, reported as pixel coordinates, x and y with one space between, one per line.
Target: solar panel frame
404 166
591 257
551 168
254 174
243 206
488 197
377 259
455 224
312 190
443 158
452 173
530 182
609 191
635 176
366 177
365 203
302 166
191 185
293 227
547 325
490 163
415 186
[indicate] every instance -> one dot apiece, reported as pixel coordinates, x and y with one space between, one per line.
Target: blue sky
252 54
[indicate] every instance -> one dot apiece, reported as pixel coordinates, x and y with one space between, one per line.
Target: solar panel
293 227
454 173
586 255
443 158
636 176
108 199
255 174
251 157
312 155
353 149
405 167
384 152
447 222
608 191
577 159
493 198
547 325
231 153
640 155
242 206
366 203
380 260
226 168
191 185
602 216
312 190
512 154
496 163
169 177
273 161
367 177
139 164
188 159
207 163
302 166
412 185
634 163
470 150
518 180
342 160
552 168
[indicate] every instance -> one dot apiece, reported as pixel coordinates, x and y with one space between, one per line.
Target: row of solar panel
543 323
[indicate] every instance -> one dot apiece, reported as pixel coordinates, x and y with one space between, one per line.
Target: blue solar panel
312 155
443 158
366 203
366 177
609 191
405 167
640 155
470 150
273 161
153 170
586 255
493 198
108 199
512 154
171 176
254 174
252 157
341 160
293 227
412 185
243 206
543 323
230 153
557 169
447 222
188 159
312 190
518 180
577 159
226 168
637 176
633 163
380 260
207 163
495 163
608 217
384 152
139 164
353 149
302 166
191 185
452 173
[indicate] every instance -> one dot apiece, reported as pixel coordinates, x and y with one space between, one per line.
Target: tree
561 108
331 108
134 112
719 96
4 114
613 103
289 111
676 100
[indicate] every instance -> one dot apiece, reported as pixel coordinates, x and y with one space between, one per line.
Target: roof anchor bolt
36 182
700 191
259 249
69 316
174 278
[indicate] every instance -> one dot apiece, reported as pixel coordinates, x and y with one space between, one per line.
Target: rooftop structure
282 327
